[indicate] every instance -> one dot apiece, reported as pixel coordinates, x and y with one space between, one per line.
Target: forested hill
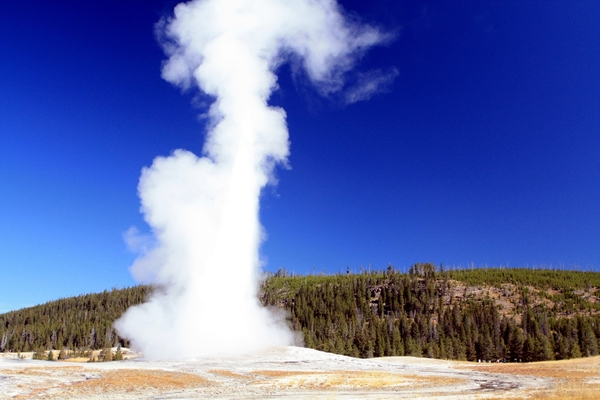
486 314
81 322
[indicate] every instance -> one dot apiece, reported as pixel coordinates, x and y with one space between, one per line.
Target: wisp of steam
203 211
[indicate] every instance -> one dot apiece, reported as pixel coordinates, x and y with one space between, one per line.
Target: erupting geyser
204 210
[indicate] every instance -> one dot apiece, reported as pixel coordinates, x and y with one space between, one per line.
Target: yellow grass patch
575 369
574 379
228 374
568 390
331 380
76 359
48 371
285 374
128 380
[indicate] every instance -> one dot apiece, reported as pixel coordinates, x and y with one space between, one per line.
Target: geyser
203 211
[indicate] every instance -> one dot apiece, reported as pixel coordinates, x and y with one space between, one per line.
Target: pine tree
486 348
529 349
589 342
106 354
397 345
470 351
575 350
542 349
39 354
62 355
562 351
515 344
412 348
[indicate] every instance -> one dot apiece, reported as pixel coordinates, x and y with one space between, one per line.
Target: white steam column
204 210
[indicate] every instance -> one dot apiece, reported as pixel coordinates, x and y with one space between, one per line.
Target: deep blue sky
485 150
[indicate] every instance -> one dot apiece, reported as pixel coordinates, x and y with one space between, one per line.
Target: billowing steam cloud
204 210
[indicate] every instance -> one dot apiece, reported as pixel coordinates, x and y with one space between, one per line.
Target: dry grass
331 380
76 360
285 374
567 390
228 374
575 369
568 379
37 392
128 381
318 380
144 383
574 379
50 381
41 379
48 371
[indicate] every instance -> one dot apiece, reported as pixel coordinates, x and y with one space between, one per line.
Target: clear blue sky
485 150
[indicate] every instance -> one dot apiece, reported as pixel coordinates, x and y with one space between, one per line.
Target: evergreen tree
39 354
106 354
529 349
367 314
563 351
119 354
515 344
575 351
542 349
485 346
471 352
589 342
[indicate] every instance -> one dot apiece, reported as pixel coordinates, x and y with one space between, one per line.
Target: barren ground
297 373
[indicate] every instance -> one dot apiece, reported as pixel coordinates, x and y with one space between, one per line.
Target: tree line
393 314
427 312
81 322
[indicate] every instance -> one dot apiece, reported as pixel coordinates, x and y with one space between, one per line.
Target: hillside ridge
480 314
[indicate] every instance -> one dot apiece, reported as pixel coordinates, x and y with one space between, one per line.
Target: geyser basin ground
296 373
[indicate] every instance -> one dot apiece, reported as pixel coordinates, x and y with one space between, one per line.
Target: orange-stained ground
298 373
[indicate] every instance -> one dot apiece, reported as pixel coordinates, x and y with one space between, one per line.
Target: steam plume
204 210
